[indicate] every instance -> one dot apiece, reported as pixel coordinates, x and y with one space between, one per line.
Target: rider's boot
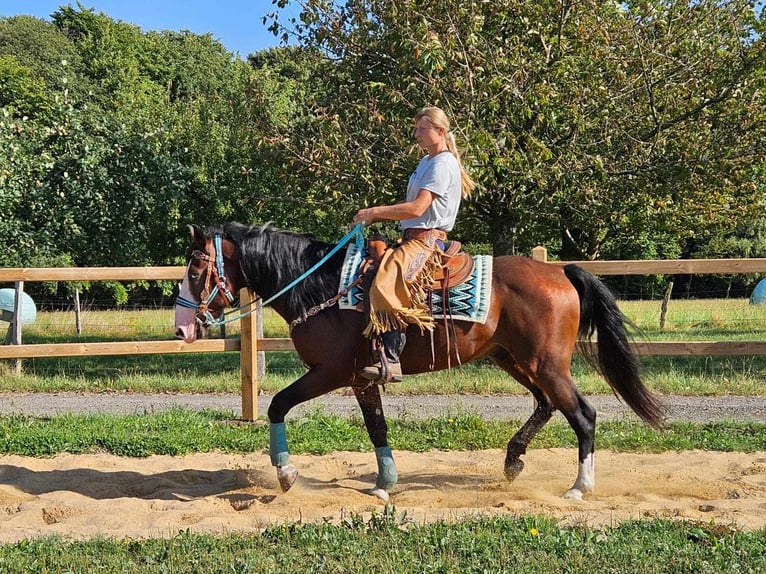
387 369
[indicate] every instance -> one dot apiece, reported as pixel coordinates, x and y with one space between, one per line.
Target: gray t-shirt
441 176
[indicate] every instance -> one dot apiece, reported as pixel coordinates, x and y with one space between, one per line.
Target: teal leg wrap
387 474
278 444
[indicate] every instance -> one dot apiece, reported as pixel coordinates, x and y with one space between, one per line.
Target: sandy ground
81 497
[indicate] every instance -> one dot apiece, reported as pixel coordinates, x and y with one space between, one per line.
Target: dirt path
85 496
696 409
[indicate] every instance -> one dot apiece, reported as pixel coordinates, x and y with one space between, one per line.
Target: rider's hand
363 216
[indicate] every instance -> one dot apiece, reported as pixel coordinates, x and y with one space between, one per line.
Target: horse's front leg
318 381
368 397
287 474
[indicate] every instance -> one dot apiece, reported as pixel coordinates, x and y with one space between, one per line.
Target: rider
435 189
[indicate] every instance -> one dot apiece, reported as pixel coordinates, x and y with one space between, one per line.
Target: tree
48 55
88 180
280 114
156 143
585 122
21 93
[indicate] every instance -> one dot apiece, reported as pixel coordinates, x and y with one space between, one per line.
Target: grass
384 544
389 543
692 319
219 372
178 432
729 320
699 319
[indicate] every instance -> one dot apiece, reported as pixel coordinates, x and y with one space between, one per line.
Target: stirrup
377 374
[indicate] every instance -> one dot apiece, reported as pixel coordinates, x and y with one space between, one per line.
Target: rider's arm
395 212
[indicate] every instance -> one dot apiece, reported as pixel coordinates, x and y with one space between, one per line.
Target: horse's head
212 279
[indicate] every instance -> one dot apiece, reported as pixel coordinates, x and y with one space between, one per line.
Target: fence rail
667 267
137 348
248 345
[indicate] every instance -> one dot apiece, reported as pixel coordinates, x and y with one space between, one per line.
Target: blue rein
356 234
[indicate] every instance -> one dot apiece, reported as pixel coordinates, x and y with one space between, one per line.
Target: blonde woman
434 192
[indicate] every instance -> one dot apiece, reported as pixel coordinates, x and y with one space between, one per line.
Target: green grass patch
389 543
699 319
179 432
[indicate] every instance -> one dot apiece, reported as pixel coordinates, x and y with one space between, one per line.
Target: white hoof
379 493
287 476
585 479
573 494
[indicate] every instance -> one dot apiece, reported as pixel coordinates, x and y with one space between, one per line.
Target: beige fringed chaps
397 296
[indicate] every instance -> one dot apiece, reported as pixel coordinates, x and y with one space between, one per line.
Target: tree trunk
503 237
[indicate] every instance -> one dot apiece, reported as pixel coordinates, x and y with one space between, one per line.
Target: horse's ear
197 235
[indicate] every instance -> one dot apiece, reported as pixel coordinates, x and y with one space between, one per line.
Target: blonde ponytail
467 184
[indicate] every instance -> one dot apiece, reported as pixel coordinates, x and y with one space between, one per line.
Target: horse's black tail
612 356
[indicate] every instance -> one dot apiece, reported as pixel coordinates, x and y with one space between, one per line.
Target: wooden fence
249 344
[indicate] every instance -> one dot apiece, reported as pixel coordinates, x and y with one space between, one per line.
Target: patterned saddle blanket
468 301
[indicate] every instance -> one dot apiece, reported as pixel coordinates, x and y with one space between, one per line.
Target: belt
425 235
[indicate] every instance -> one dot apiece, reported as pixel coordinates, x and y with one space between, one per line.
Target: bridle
215 275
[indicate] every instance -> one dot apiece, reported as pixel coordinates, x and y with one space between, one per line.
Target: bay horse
536 314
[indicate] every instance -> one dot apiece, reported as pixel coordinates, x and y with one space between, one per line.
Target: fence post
260 370
539 253
248 359
77 314
17 306
664 307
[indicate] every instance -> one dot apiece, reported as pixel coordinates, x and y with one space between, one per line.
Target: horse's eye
193 276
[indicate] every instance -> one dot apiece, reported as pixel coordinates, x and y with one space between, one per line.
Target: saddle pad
468 301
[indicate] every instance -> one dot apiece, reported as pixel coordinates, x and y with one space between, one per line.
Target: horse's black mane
272 258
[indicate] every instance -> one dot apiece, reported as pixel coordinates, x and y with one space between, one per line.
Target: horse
539 314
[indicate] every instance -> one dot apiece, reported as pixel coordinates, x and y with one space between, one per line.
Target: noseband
215 273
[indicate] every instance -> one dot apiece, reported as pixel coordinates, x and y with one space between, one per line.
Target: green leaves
575 119
113 147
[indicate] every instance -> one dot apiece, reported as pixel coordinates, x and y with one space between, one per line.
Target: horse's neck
238 280
310 291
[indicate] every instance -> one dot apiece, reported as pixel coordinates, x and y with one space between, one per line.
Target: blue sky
237 24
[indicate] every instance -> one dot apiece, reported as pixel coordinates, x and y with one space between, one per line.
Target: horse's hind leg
583 420
554 389
560 389
519 442
368 397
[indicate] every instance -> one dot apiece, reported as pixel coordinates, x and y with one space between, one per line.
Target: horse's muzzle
187 327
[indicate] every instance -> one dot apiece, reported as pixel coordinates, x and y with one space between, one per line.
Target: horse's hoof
287 475
573 494
379 493
513 469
